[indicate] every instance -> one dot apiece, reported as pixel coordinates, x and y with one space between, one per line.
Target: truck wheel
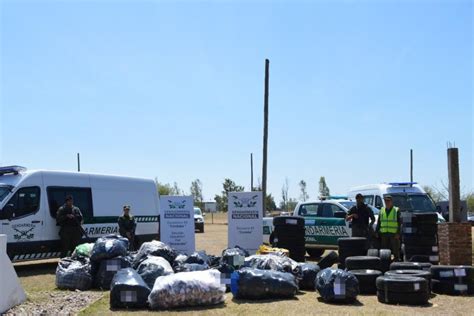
328 260
362 263
366 280
373 252
315 253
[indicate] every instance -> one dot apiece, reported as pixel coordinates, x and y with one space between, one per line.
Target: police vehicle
198 219
30 199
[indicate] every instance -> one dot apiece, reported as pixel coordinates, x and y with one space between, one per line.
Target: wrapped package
234 256
153 267
107 270
128 290
109 246
272 262
74 274
248 283
309 271
83 250
337 285
154 248
198 288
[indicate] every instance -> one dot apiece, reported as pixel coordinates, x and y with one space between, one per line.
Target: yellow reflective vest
389 223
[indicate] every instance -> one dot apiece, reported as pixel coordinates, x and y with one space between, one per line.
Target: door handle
35 222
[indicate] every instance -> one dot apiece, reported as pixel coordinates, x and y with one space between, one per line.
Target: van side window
369 199
328 210
378 202
26 201
308 209
82 199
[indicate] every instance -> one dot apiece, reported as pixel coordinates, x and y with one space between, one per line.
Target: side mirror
340 214
7 212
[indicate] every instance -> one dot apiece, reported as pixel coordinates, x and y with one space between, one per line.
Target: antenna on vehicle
411 167
78 163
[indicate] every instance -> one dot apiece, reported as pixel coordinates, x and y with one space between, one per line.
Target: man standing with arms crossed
388 227
69 217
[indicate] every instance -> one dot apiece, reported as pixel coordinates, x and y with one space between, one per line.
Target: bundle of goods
154 248
198 288
234 256
267 250
153 267
272 262
128 290
248 283
337 286
107 270
289 233
453 280
349 247
83 250
109 246
409 290
420 237
308 272
74 274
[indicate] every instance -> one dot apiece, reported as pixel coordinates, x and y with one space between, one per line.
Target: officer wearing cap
388 227
127 225
69 217
359 215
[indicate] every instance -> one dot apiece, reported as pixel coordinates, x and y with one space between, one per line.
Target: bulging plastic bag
199 257
249 283
109 246
153 267
187 289
309 271
107 270
272 262
337 285
74 274
83 250
189 267
154 248
128 290
234 256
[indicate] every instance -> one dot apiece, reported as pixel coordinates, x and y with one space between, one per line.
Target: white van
29 201
408 196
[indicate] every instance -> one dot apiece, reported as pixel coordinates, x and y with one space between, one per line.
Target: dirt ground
44 298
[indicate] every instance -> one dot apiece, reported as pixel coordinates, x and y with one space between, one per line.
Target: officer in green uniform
69 217
127 226
388 227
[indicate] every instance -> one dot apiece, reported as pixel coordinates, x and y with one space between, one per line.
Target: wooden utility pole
78 163
411 166
251 172
453 182
265 134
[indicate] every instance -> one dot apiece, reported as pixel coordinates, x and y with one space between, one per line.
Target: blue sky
175 89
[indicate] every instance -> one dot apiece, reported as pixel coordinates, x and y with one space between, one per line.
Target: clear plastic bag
128 290
153 267
272 262
83 250
109 246
234 256
154 248
74 274
249 283
337 285
198 288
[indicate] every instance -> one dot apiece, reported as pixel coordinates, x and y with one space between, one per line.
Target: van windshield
413 202
4 190
197 211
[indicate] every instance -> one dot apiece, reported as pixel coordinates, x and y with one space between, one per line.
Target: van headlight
199 220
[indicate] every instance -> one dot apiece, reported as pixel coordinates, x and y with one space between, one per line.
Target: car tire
402 298
373 252
410 266
288 221
385 256
362 263
328 260
411 273
366 280
314 252
420 241
402 284
463 274
451 287
352 242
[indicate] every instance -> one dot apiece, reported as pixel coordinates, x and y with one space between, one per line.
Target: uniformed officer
69 217
360 214
388 227
127 226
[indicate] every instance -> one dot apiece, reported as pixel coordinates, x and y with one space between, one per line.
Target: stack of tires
385 256
407 290
453 280
366 269
420 237
350 247
289 234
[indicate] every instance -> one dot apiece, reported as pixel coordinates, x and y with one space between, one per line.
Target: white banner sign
177 222
245 227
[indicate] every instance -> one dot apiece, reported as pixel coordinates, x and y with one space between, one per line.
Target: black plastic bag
234 256
226 271
199 257
337 285
74 274
154 248
107 270
309 271
214 261
128 290
272 262
153 267
109 246
197 288
255 284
